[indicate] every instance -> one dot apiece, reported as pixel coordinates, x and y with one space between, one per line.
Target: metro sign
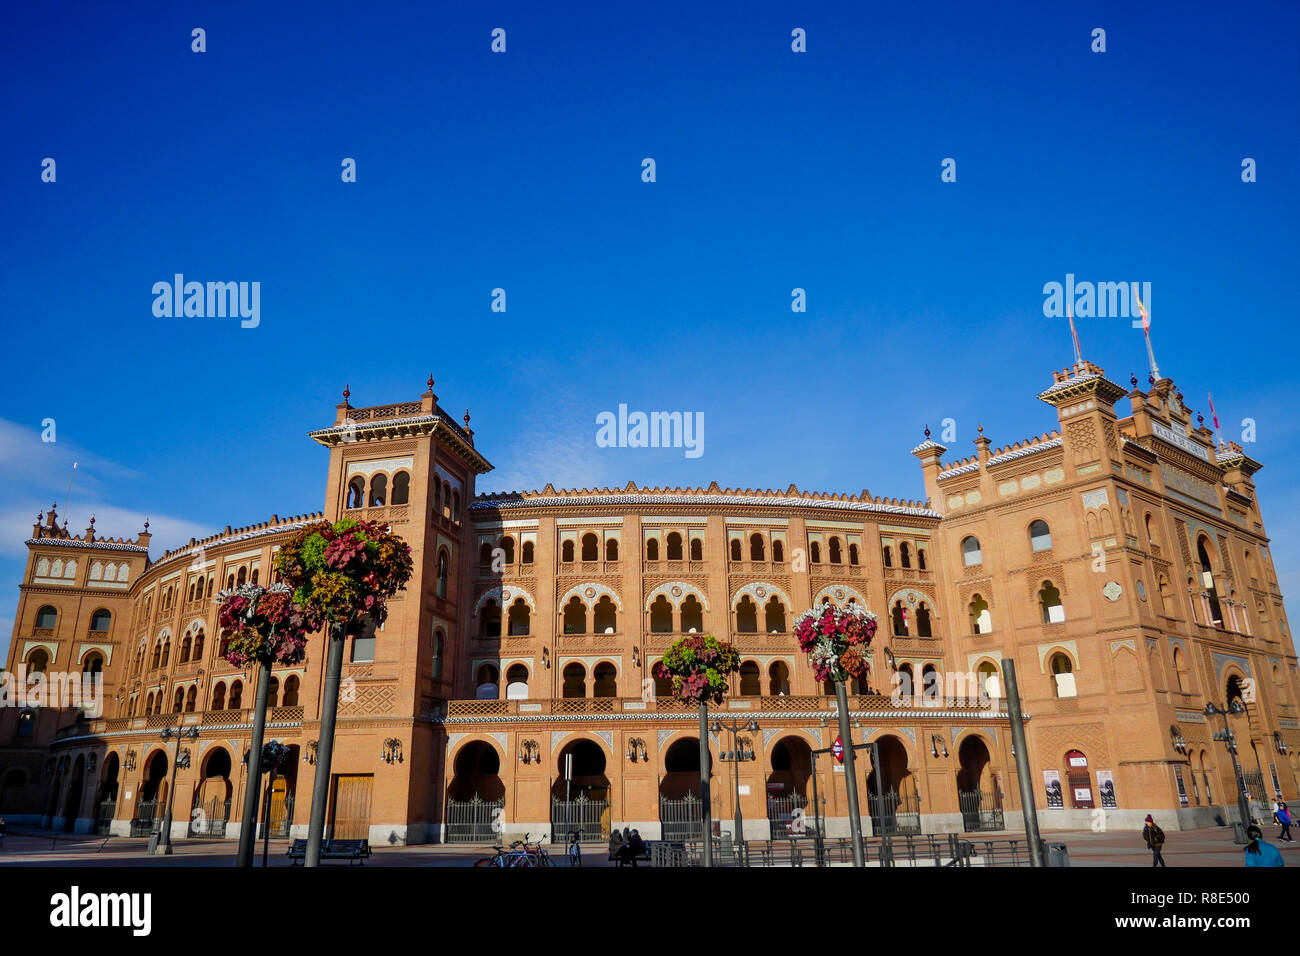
837 750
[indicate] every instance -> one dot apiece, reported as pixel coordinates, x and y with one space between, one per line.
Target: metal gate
280 816
590 818
104 817
210 819
1252 782
474 820
143 821
780 813
980 811
895 812
682 819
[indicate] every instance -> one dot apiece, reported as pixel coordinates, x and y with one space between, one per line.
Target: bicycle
520 853
575 849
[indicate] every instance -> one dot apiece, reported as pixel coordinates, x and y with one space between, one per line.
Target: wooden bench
354 851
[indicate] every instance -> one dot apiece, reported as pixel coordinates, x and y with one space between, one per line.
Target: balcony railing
203 718
458 709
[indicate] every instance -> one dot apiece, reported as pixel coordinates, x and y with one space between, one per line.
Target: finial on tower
346 393
430 382
1134 380
927 431
467 418
146 525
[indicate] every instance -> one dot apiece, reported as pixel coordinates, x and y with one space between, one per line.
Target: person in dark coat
1155 838
616 847
635 847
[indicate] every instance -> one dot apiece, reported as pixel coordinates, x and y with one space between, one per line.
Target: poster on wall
1106 784
1052 784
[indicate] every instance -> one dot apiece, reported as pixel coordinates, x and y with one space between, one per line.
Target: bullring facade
1122 562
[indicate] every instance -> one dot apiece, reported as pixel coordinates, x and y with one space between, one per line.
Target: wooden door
351 817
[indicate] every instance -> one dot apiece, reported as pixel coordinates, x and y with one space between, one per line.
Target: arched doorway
106 799
212 801
681 812
476 795
153 790
580 802
12 788
978 792
787 787
72 802
897 808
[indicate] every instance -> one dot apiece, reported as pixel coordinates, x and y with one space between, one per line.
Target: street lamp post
190 733
736 756
1230 741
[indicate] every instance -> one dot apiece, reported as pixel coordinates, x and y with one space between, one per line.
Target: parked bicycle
519 853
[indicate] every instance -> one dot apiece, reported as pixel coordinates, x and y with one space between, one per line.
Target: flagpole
1146 332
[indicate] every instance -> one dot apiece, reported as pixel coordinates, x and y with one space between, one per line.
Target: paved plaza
1189 848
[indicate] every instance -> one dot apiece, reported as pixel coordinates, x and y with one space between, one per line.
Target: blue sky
522 171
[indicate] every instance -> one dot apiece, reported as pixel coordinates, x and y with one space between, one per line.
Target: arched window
185 649
93 663
735 550
520 618
611 549
507 544
774 616
887 556
37 661
1063 675
455 506
356 492
604 616
651 549
566 552
273 692
437 499
490 619
1180 669
931 687
923 621
988 680
750 680
905 555
47 617
291 684
197 653
401 488
1151 530
605 683
485 554
378 490
219 697
834 549
697 549
101 620
590 547
157 655
517 682
1207 582
1040 536
444 572
528 550
756 549
778 679
920 558
814 552
435 659
236 695
192 698
230 581
661 616
166 652
575 617
178 701
746 616
1049 600
674 541
905 682
240 580
487 683
981 621
899 615
853 555
970 551
575 681
692 613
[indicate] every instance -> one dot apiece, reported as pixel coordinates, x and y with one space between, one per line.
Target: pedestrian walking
1259 852
1155 838
1284 819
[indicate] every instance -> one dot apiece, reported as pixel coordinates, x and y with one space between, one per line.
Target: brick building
1123 562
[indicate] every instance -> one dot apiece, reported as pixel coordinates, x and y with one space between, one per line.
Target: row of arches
47 618
38 661
185 699
379 494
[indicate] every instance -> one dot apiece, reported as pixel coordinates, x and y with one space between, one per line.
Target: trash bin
1057 854
1239 833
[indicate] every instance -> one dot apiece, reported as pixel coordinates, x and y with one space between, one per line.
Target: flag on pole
1142 310
1078 353
1213 414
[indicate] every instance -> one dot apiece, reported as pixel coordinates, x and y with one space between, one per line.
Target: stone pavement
1184 848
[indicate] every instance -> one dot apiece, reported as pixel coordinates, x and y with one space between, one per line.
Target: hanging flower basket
274 755
345 572
262 625
837 640
698 666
